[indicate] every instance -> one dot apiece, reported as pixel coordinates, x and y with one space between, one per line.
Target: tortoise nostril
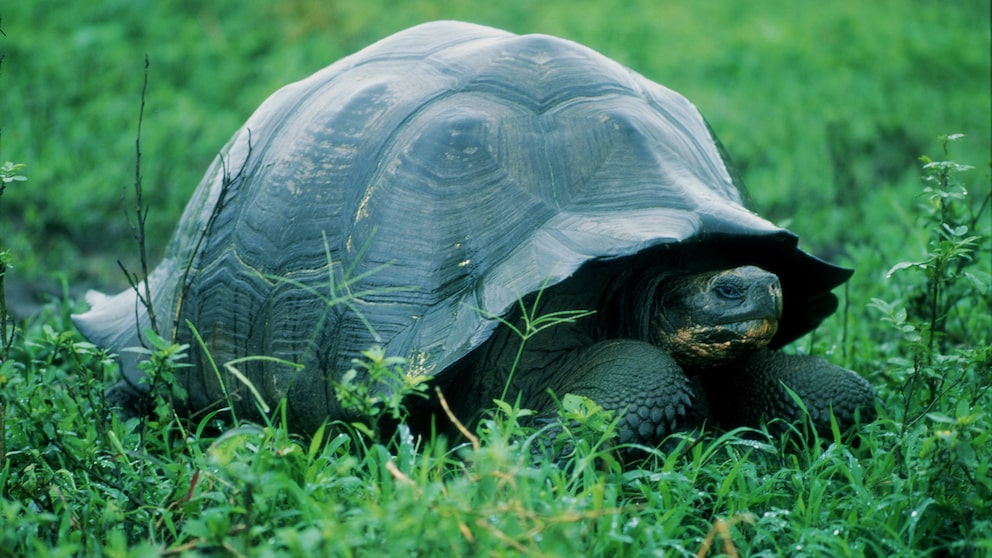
775 293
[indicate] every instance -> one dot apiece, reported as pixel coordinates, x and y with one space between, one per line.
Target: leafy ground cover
826 109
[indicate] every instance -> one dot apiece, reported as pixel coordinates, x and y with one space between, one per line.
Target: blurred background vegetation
825 106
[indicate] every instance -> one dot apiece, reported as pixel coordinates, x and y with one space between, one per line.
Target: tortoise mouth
755 332
747 322
715 344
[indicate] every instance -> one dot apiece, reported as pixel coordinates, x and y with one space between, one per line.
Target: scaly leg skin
752 392
640 382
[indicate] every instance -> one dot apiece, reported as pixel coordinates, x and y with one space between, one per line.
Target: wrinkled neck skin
704 319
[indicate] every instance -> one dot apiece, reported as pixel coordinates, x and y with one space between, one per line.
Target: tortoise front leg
639 381
753 391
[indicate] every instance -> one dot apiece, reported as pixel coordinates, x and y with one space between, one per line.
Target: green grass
826 108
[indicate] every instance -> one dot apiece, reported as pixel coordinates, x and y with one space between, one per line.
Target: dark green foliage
826 109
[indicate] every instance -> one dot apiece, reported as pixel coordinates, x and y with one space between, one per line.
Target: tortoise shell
407 195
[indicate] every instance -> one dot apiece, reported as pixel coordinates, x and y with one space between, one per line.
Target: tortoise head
705 319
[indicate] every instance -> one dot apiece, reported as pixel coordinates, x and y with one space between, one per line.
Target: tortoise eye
728 291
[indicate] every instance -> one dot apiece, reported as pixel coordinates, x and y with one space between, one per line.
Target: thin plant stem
141 216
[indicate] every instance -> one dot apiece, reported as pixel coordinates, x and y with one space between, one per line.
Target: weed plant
9 172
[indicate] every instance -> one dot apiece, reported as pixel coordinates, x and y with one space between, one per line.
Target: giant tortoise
452 180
